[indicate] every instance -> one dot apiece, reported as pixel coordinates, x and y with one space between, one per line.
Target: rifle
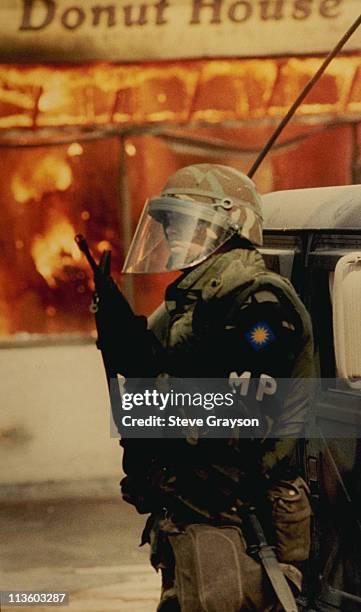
127 346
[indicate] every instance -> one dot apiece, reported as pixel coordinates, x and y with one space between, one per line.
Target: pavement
87 547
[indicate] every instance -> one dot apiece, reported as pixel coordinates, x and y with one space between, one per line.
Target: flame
75 149
54 98
104 245
130 149
207 90
51 173
55 251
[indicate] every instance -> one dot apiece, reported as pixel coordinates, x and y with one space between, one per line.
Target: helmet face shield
174 234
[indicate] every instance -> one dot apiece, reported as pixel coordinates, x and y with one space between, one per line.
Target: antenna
302 96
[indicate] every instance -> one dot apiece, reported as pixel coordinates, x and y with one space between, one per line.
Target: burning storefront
84 142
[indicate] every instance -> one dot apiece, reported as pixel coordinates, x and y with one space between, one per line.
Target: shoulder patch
260 335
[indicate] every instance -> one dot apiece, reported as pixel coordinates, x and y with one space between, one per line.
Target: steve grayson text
176 421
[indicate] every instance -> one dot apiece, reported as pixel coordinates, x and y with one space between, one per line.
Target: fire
104 245
55 97
51 173
207 90
54 252
75 149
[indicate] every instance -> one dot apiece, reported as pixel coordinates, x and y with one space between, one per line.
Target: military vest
207 475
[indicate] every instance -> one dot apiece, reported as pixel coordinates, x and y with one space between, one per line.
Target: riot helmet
199 209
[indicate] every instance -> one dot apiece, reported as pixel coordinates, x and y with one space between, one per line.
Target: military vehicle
313 237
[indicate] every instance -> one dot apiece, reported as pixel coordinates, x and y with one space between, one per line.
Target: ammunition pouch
291 519
214 573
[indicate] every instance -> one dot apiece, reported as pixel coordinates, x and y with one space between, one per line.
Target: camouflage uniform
229 314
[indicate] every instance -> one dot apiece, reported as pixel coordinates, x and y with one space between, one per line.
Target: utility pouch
214 573
291 519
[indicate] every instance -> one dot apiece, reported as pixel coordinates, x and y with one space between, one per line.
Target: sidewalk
89 548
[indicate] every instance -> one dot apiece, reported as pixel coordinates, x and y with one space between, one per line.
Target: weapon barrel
84 247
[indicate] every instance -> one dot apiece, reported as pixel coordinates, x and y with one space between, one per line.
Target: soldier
225 315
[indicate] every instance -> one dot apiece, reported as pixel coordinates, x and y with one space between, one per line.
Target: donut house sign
135 30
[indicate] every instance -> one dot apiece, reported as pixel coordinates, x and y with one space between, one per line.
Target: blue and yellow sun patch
260 335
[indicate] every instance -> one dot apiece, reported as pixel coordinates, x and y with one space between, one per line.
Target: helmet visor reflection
174 234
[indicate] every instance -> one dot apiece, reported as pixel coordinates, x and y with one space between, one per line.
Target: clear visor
173 234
